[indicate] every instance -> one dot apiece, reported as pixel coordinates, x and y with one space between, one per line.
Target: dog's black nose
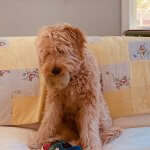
56 70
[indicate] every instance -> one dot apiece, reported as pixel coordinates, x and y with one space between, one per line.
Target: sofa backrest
124 64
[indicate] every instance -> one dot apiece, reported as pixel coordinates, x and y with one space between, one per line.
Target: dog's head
60 50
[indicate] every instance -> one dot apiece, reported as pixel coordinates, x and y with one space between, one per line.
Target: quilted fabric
19 81
124 64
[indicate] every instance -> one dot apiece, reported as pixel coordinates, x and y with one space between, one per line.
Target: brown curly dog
75 109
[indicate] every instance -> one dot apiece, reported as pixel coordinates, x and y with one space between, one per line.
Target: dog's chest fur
71 102
75 92
79 88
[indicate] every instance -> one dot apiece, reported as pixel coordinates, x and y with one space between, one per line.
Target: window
143 13
135 14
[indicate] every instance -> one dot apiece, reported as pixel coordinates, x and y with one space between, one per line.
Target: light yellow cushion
20 91
124 64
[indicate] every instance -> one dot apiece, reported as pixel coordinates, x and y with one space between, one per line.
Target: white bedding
131 139
12 138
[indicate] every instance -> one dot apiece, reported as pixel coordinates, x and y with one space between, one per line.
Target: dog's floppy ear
77 38
40 43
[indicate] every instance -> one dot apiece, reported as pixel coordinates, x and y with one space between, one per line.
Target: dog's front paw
92 145
110 135
35 142
75 142
34 145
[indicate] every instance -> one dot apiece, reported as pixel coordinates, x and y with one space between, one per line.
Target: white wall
24 17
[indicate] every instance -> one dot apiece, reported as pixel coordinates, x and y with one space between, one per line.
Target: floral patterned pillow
16 83
124 64
19 81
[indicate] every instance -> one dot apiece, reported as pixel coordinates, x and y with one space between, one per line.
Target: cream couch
13 138
137 138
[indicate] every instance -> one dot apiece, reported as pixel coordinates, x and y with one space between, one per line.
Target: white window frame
128 19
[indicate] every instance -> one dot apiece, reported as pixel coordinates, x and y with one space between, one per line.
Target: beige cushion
124 64
12 138
131 139
132 121
20 102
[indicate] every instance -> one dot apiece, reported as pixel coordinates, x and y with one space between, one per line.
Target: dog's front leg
107 132
52 118
88 124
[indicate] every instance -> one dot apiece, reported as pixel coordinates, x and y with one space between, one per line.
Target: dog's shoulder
91 64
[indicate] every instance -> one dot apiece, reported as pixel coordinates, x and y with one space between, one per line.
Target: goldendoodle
75 109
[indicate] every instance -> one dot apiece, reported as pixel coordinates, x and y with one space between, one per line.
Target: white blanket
131 139
12 138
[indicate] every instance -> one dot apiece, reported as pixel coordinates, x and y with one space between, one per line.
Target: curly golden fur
75 109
